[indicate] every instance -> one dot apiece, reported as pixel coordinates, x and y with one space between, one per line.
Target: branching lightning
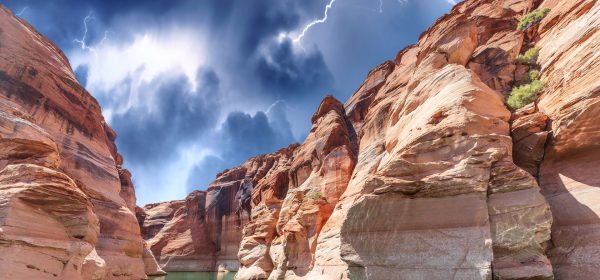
22 11
82 41
315 22
85 31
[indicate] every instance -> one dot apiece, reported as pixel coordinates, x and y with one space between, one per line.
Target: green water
195 276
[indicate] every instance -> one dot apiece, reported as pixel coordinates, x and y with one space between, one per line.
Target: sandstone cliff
203 232
66 204
426 174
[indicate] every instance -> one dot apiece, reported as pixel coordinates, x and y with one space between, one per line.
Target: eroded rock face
425 173
203 232
529 134
319 174
569 44
66 204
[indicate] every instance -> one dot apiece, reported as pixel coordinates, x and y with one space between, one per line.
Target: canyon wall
203 232
66 204
423 174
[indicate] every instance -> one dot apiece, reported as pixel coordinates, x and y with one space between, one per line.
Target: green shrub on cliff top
532 18
529 57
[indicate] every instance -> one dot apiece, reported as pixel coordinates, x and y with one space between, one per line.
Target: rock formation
203 232
569 44
66 204
425 173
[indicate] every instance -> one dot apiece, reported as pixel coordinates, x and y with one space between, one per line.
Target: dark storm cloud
246 135
243 36
288 73
277 114
243 136
251 67
178 115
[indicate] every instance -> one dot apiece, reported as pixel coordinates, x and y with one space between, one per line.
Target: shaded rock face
203 232
177 234
569 44
318 175
66 205
263 217
425 173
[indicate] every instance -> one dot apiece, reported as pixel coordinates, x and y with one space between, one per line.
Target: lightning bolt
22 11
273 105
82 43
315 22
85 31
380 6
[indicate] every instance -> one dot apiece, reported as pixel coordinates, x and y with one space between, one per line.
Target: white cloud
119 72
142 59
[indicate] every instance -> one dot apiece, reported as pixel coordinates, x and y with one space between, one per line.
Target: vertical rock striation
569 42
66 204
425 173
203 232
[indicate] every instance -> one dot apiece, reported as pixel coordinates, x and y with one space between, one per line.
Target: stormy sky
196 86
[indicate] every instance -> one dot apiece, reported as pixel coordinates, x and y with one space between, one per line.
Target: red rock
569 47
445 178
528 131
441 180
203 232
67 204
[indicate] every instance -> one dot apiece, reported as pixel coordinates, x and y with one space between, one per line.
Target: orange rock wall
66 205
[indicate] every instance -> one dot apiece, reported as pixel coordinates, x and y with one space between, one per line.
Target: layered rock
425 173
203 232
319 174
66 203
569 44
529 134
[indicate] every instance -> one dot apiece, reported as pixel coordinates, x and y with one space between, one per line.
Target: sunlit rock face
66 204
424 173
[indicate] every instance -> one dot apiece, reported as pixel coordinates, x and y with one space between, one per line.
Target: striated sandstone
66 203
425 173
569 44
319 174
203 232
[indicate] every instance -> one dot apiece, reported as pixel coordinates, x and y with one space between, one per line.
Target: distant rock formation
66 204
203 232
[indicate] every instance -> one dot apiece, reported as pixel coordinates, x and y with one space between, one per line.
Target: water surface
195 276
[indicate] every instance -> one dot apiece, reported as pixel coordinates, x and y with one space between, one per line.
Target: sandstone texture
424 173
66 204
569 42
203 232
